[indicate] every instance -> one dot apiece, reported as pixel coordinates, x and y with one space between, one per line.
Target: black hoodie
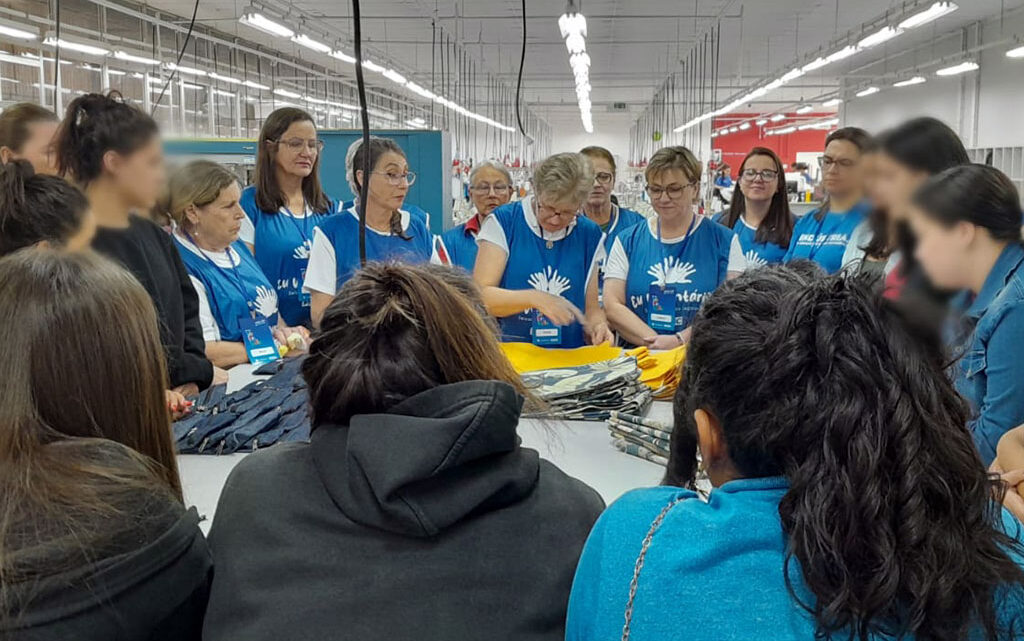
427 522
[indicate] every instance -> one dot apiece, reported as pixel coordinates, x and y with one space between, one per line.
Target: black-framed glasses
827 162
675 192
483 189
295 145
603 177
767 175
396 179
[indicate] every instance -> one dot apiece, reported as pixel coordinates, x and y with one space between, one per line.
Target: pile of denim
641 437
589 392
265 412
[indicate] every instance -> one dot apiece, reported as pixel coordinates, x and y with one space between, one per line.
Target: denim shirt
990 373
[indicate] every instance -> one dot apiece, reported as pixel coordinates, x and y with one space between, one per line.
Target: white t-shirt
247 234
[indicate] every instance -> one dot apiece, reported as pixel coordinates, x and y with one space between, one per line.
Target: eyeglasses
767 175
675 192
483 189
396 179
554 212
827 162
295 145
603 177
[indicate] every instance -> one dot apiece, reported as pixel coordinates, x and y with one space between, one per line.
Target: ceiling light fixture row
912 20
573 27
259 20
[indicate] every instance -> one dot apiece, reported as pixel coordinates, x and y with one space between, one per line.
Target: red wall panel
735 146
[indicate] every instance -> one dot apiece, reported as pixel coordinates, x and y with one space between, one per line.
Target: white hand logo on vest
671 271
549 281
266 301
754 260
302 251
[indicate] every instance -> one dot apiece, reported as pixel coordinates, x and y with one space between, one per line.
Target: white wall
611 131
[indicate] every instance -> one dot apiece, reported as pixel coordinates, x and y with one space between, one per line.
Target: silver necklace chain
640 564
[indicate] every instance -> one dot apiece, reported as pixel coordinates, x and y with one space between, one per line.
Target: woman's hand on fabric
190 389
662 342
177 404
558 310
296 339
599 333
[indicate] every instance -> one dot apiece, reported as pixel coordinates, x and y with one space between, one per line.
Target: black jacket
148 252
427 522
154 592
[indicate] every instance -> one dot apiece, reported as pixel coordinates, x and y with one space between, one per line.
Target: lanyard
236 280
304 230
550 244
686 241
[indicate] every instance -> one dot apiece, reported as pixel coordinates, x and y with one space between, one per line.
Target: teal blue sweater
713 571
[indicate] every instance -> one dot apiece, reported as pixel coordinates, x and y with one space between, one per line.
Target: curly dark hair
889 516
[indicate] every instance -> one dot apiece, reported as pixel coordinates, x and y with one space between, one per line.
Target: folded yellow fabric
660 371
527 357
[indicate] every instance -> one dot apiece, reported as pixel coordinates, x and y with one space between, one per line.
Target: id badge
305 298
544 331
259 340
661 309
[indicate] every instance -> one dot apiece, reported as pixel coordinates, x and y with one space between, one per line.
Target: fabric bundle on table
660 370
641 437
589 392
260 414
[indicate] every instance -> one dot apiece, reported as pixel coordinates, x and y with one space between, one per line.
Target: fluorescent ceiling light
714 134
733 130
315 101
188 71
883 35
777 117
23 60
226 94
867 92
71 45
761 121
786 130
916 80
18 31
806 109
131 57
792 75
933 12
774 84
843 53
416 89
307 42
286 93
832 103
227 79
341 55
394 76
259 21
1015 53
745 126
255 85
957 69
116 72
373 66
817 64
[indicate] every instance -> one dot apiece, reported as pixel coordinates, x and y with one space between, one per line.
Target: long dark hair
394 331
15 121
976 194
94 125
377 148
920 144
269 197
36 208
860 139
889 514
777 227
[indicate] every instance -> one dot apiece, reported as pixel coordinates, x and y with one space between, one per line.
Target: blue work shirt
622 220
746 253
990 373
824 241
281 243
713 570
460 243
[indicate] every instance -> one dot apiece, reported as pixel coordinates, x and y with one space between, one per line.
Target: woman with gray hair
490 186
536 261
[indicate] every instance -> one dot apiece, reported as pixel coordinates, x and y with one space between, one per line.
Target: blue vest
626 219
562 270
343 233
695 267
281 246
824 241
461 247
224 289
757 254
412 209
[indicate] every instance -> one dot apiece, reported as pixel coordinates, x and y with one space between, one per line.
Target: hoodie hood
430 461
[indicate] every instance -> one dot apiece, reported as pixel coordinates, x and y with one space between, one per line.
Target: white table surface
581 449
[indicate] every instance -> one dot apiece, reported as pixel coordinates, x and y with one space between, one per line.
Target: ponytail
37 208
889 517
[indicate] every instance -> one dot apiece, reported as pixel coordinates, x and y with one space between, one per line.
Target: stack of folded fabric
261 414
660 370
589 392
641 437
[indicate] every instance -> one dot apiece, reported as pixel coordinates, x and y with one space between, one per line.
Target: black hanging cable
365 182
177 62
56 55
519 83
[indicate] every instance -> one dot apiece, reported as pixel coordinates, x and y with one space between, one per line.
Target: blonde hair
565 177
668 158
198 183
